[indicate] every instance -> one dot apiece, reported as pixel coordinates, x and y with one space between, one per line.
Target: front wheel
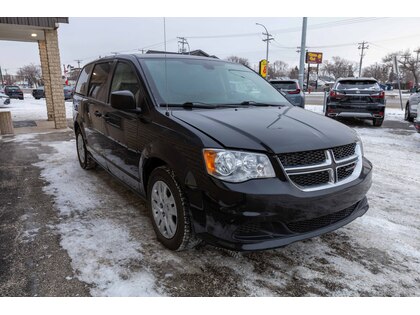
85 160
377 122
169 210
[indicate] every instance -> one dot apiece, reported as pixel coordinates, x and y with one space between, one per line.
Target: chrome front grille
344 151
302 158
320 169
311 179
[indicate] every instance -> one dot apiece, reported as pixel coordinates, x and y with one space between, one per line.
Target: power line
293 29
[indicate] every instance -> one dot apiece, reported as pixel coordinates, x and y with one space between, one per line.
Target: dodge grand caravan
218 154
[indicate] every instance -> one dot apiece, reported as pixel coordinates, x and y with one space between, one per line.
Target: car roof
133 57
357 79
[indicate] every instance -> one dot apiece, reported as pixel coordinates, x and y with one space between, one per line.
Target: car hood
4 95
273 129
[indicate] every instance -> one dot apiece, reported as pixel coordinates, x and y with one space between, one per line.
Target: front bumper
271 213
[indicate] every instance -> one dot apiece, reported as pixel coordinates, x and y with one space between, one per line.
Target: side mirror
123 100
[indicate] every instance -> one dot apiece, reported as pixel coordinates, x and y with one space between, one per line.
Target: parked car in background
291 90
4 99
358 98
38 92
68 92
417 120
217 152
13 91
412 105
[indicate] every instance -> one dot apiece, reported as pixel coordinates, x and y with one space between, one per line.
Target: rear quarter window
82 82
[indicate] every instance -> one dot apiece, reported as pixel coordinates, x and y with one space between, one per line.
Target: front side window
98 82
125 79
213 82
82 82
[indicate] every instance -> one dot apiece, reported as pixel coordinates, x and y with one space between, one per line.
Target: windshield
285 85
207 81
358 85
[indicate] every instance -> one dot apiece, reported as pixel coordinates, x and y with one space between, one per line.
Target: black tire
86 162
407 114
184 237
21 98
377 122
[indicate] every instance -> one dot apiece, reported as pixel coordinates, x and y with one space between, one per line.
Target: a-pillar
51 74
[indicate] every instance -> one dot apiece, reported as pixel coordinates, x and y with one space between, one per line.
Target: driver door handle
97 114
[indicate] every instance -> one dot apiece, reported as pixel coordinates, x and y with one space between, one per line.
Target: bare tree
278 68
30 73
408 61
338 67
237 59
380 72
294 73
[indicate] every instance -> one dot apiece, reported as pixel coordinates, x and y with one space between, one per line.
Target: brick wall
51 73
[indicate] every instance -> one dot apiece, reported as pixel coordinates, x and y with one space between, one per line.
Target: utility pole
362 46
183 42
268 39
302 52
1 78
78 62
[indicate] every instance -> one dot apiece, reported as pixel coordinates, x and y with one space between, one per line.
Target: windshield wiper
254 103
189 105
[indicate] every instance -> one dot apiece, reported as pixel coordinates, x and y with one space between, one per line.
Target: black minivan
218 154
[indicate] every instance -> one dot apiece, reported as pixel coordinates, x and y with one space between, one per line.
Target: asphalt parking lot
69 232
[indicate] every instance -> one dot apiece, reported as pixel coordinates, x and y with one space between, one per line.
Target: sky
88 38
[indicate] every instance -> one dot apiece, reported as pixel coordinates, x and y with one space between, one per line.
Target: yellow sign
263 68
313 57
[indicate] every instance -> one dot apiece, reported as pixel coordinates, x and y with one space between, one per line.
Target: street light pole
267 40
302 52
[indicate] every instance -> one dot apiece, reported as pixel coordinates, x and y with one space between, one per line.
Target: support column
51 73
46 78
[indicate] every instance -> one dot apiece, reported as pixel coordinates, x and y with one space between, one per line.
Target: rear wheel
407 114
85 160
377 122
169 210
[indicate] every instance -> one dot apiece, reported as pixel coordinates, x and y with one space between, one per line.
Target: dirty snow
109 238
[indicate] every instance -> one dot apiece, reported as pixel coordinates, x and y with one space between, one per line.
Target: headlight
360 144
237 166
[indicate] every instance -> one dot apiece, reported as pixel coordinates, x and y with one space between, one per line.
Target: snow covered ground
106 232
31 109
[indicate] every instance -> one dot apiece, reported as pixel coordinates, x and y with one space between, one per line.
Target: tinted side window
98 81
125 78
81 85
